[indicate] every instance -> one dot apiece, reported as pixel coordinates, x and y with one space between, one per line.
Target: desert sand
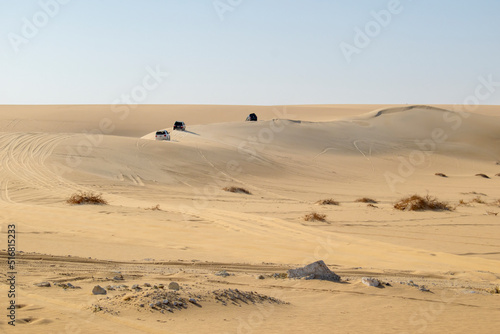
168 218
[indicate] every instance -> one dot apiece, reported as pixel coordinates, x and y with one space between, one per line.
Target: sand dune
291 158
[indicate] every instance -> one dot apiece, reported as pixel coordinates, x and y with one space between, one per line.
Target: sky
249 52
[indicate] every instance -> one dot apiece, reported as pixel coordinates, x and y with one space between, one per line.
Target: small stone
141 305
136 286
370 281
98 290
118 278
260 277
161 286
152 305
174 286
158 303
165 301
43 285
192 300
222 273
284 275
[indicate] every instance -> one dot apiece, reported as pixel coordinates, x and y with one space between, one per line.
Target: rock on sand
315 270
98 290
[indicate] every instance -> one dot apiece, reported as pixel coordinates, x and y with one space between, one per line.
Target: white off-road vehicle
162 135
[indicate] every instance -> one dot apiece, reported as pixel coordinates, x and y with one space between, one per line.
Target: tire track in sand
22 161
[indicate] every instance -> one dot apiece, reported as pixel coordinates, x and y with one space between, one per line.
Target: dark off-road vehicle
252 117
180 126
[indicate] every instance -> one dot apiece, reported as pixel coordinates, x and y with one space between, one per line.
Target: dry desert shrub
474 193
366 200
86 197
483 175
237 190
419 203
441 174
329 201
478 200
313 216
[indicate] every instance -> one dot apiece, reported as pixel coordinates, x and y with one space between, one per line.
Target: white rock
43 284
370 281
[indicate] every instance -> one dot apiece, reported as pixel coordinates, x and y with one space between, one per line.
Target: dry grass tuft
463 203
441 174
483 175
474 193
329 201
154 208
237 190
86 197
366 200
313 216
478 200
418 203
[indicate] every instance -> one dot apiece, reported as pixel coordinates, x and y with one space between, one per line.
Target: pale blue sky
263 52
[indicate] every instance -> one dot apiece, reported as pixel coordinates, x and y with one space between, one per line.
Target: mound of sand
287 160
